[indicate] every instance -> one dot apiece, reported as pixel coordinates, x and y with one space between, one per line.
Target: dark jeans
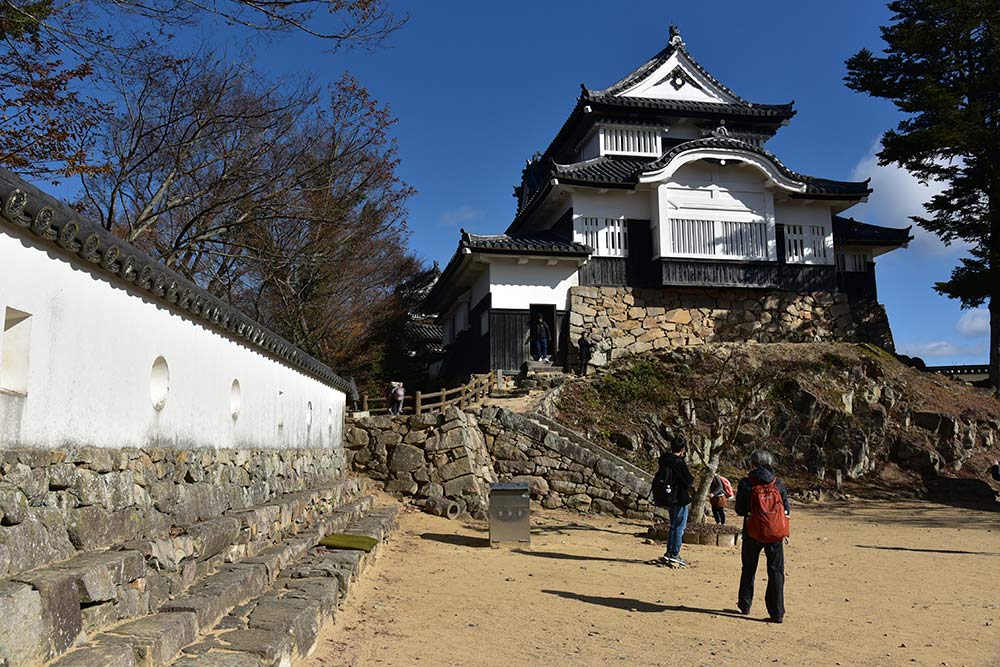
719 513
774 597
539 347
583 364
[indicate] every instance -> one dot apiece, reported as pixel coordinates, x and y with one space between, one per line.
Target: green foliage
646 383
941 68
18 20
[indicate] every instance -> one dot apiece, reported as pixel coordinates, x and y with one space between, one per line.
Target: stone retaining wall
561 472
55 503
424 456
621 321
456 455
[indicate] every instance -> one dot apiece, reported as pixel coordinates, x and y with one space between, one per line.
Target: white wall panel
517 286
92 348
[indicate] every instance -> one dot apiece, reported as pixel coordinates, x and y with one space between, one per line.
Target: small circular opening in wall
309 414
235 399
159 383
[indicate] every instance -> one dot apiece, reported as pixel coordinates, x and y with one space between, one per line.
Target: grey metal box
510 512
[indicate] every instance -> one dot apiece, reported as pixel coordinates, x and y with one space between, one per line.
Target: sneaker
777 619
744 610
676 561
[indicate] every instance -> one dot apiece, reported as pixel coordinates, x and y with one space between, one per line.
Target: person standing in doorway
762 501
672 489
586 350
540 335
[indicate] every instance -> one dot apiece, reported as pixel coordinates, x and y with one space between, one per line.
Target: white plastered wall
92 349
517 286
629 204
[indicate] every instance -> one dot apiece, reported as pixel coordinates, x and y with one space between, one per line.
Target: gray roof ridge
91 247
724 142
676 44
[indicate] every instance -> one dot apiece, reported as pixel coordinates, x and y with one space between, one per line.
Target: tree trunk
700 502
995 342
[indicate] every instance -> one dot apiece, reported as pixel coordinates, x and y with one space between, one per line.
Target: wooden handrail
474 391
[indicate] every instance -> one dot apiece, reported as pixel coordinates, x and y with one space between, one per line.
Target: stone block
457 468
274 648
422 422
157 639
300 618
212 599
110 655
13 505
406 458
60 606
23 636
38 540
213 536
467 484
220 659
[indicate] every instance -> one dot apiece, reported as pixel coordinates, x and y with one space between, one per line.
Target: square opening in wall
14 348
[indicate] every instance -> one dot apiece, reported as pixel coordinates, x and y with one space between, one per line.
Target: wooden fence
478 388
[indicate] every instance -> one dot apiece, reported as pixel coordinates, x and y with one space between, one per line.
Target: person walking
540 336
397 394
586 351
762 501
719 494
671 488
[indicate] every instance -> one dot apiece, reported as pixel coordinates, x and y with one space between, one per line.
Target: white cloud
974 323
896 196
460 216
940 349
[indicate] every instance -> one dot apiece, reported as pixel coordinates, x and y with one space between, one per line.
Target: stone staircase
249 588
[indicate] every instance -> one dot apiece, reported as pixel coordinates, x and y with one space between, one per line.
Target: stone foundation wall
424 456
456 455
621 321
56 503
563 470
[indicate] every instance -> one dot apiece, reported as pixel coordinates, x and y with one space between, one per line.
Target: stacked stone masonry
457 455
90 538
441 454
621 321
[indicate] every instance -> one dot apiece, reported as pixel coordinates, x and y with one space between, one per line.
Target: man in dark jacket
761 472
678 508
540 336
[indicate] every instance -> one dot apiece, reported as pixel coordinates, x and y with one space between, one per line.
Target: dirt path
868 584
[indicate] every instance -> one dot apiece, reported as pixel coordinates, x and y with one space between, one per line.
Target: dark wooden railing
463 396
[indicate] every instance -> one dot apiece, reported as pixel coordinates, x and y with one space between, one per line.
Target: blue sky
479 87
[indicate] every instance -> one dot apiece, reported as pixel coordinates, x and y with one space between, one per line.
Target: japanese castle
657 217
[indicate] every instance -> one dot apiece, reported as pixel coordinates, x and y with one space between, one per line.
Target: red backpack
768 522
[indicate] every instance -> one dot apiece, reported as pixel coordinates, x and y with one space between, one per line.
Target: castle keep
657 217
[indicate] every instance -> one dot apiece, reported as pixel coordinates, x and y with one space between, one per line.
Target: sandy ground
868 584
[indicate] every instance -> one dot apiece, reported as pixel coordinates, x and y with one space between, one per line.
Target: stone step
46 611
231 599
281 625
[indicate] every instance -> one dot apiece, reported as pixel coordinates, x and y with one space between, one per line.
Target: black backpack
663 488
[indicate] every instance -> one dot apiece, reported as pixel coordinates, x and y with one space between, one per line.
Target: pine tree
941 68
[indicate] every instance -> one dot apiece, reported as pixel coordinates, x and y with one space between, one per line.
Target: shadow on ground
928 551
558 555
641 606
457 540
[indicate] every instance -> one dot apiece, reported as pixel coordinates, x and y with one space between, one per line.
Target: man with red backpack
762 501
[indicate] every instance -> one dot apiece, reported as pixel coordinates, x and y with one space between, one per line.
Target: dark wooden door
639 263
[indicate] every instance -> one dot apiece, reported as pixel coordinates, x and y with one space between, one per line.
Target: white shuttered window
607 236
